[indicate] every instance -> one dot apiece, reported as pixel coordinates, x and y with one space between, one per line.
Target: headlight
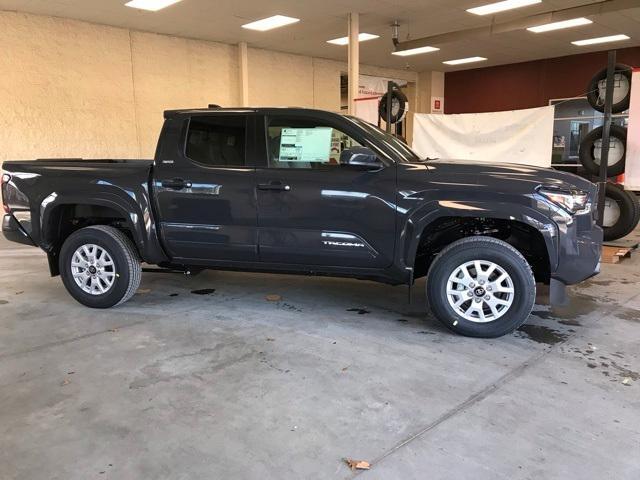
573 202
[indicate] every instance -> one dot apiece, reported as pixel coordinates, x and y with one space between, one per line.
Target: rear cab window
217 140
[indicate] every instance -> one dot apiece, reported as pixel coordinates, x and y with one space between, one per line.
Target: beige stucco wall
65 89
171 72
70 88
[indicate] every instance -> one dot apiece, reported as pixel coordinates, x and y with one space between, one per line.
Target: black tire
629 212
588 151
128 270
398 108
484 249
595 94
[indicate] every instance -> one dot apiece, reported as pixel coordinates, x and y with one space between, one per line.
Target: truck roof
265 110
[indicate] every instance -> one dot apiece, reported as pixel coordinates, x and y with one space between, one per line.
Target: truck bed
39 192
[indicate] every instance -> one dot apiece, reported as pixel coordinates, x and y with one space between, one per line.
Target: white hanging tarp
517 136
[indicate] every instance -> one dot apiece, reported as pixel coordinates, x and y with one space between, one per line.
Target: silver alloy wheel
93 269
611 212
617 150
480 291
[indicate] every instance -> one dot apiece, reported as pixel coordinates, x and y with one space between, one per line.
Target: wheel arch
61 215
424 235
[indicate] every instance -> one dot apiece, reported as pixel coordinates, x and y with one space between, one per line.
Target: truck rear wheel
100 267
481 287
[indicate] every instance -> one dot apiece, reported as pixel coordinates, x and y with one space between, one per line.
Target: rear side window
217 140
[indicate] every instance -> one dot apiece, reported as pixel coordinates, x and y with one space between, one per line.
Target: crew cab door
204 188
314 211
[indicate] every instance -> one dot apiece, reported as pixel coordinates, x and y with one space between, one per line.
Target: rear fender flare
137 219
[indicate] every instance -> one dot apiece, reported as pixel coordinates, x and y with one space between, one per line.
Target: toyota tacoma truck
288 190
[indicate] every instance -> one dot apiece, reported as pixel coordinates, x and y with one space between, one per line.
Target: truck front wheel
481 287
99 266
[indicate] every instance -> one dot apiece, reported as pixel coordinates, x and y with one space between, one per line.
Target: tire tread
132 258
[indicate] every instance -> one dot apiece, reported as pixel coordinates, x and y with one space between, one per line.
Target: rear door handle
277 186
176 184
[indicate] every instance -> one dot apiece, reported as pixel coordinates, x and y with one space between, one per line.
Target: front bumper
13 232
579 252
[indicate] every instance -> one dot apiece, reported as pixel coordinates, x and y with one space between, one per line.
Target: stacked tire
622 210
398 106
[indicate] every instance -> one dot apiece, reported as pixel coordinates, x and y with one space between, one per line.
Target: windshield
404 153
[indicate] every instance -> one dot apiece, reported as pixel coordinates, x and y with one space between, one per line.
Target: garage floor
223 383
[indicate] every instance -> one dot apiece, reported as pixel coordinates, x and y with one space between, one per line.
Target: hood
497 177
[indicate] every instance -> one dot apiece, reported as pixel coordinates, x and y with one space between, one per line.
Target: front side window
217 140
303 143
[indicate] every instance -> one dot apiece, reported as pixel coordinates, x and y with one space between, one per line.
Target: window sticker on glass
305 144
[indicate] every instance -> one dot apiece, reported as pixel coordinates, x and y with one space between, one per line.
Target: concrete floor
225 384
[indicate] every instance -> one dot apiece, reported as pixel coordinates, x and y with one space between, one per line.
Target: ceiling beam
592 9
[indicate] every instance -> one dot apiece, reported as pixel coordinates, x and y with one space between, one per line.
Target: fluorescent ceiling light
575 22
151 5
270 23
460 61
363 37
415 51
593 41
502 6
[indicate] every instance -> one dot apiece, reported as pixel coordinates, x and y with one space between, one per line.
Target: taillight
5 179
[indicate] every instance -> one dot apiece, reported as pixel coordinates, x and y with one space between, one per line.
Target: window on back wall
574 119
217 141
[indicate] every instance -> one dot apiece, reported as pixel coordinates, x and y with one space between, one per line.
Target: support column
354 60
243 73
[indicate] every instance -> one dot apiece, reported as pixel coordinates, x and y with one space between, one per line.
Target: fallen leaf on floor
345 368
70 373
113 330
626 381
269 339
66 381
20 292
3 302
273 298
357 464
142 291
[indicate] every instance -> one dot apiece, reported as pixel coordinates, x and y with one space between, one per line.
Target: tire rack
606 134
398 125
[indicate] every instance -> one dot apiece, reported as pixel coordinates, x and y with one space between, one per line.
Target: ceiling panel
221 20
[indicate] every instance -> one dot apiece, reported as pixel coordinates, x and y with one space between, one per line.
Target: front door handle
176 184
277 186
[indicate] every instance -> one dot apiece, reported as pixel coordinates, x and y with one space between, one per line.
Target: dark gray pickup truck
310 192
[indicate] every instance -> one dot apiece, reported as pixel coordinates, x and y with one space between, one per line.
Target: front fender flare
435 210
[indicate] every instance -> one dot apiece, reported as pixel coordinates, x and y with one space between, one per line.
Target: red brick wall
528 84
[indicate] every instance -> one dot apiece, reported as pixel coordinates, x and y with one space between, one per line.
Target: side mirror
360 157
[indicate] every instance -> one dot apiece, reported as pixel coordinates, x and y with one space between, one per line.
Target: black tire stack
622 210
